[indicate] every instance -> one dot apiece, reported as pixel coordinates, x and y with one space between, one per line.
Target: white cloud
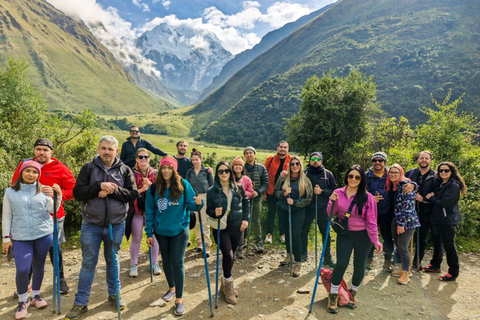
143 6
166 3
282 12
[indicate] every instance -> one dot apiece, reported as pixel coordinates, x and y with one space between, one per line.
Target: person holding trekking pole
294 192
167 207
28 226
227 207
360 234
105 176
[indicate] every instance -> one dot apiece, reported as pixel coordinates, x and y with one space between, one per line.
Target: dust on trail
266 291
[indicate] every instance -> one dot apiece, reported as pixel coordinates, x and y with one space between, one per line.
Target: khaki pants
206 227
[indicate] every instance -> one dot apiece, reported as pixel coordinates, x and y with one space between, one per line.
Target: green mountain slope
69 66
412 47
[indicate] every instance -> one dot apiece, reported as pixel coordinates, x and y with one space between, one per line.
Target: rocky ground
266 291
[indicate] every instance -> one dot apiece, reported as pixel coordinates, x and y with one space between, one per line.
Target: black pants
298 219
229 241
322 223
60 260
424 229
444 238
384 223
360 244
272 212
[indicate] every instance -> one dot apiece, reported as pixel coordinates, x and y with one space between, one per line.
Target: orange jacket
272 163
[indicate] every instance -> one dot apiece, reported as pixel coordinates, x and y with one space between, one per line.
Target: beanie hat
43 142
317 153
380 155
238 160
30 164
249 148
169 161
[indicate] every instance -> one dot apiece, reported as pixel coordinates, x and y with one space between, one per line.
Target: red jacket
54 172
272 163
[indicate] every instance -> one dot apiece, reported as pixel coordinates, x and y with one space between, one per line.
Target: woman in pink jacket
238 167
361 235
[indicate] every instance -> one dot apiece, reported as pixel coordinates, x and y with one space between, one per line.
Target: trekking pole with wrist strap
56 300
114 258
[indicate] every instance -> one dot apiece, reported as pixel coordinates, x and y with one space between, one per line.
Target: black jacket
298 203
129 151
445 203
425 186
239 210
325 180
259 176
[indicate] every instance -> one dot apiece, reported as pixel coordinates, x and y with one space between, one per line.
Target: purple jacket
366 221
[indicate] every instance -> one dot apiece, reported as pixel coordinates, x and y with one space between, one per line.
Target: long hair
301 177
231 178
455 174
19 181
361 197
136 156
176 185
389 185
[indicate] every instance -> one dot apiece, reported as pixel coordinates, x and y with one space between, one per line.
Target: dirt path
266 291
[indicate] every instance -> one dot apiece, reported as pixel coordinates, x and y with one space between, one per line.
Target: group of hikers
124 195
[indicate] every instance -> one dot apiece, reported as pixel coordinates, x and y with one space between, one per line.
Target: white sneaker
156 269
282 238
133 271
268 238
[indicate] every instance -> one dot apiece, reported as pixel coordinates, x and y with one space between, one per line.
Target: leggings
172 250
402 241
229 240
360 244
137 231
30 254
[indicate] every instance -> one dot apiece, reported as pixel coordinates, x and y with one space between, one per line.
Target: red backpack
344 296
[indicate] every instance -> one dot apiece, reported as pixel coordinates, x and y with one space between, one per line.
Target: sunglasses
222 171
134 131
295 164
444 170
315 159
351 176
143 157
377 160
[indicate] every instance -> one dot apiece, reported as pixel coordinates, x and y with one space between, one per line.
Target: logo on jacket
162 204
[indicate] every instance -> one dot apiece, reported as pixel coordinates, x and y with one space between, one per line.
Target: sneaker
268 238
168 295
239 253
156 269
179 309
63 286
282 238
404 278
447 277
113 301
387 266
396 273
431 268
286 261
76 312
38 302
22 310
259 247
369 265
297 268
133 271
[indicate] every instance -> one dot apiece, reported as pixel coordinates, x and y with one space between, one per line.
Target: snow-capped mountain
187 59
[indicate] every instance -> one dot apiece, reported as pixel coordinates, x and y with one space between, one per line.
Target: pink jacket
247 185
367 220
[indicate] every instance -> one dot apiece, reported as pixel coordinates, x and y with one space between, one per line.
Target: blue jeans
91 238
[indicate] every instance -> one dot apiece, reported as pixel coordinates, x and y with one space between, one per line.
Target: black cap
43 142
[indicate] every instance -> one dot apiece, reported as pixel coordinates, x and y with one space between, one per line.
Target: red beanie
169 161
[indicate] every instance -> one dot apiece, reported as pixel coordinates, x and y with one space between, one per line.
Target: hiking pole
322 256
151 265
249 227
316 237
56 264
417 205
114 258
218 263
290 235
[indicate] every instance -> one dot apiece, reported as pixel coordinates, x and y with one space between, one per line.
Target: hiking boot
397 273
353 301
404 278
387 266
179 309
268 238
64 289
239 253
282 238
229 291
113 301
222 286
133 271
329 262
156 269
332 304
369 265
38 302
168 296
297 267
76 312
447 277
286 261
22 310
259 247
431 268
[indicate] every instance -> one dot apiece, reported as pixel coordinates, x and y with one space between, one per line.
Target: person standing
104 179
168 201
445 218
27 222
259 176
276 166
323 183
133 143
184 162
425 177
53 172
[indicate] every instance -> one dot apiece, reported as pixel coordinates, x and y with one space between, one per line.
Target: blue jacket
405 214
376 184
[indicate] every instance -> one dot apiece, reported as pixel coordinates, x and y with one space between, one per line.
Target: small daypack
344 296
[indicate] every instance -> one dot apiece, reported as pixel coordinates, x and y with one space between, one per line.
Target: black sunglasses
377 160
351 176
143 157
295 164
222 171
443 170
134 131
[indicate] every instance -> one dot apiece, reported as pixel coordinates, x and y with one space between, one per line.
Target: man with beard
184 162
133 143
425 178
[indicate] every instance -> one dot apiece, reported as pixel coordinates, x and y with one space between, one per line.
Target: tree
333 116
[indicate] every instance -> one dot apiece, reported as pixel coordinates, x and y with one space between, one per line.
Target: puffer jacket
404 207
239 210
445 203
298 202
325 180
